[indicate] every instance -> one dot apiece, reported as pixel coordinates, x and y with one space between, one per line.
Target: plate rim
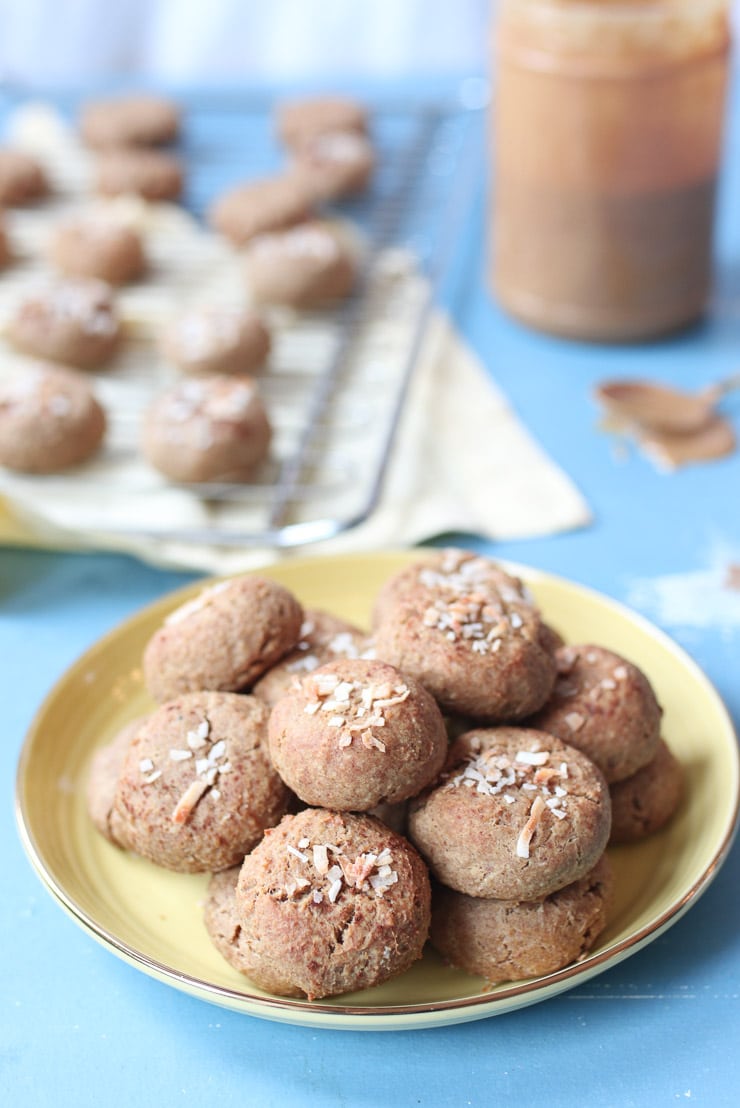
360 1017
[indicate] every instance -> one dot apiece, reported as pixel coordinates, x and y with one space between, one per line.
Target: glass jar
607 128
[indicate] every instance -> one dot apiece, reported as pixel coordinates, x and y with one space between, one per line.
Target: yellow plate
152 918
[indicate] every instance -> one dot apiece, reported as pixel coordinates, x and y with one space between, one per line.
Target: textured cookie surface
197 788
356 733
507 941
216 340
323 638
517 815
302 267
224 639
645 802
328 903
605 706
470 633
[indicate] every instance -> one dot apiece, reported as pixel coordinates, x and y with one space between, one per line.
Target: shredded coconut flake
533 757
525 836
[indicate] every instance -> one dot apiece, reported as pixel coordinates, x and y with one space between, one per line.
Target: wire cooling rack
338 379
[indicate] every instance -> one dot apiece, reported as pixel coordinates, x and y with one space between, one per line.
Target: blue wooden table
79 1027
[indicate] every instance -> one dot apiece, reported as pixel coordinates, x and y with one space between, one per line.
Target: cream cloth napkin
461 459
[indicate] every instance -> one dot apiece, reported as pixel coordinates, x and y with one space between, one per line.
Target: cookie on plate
150 174
301 121
139 119
328 903
517 815
268 204
207 429
102 781
505 941
216 340
223 639
356 733
604 705
470 633
305 266
197 789
93 246
646 801
70 321
49 420
22 178
324 638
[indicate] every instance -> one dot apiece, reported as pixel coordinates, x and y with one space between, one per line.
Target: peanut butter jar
607 130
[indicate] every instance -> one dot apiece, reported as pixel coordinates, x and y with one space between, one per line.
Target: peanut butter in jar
607 129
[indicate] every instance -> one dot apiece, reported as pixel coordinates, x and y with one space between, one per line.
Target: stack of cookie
309 766
291 256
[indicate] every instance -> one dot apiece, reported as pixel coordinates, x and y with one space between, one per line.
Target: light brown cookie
224 639
105 773
301 121
469 632
324 638
197 789
22 178
646 801
503 940
69 321
605 706
305 266
355 734
216 340
135 120
268 204
49 420
151 174
207 429
333 165
96 247
516 815
329 903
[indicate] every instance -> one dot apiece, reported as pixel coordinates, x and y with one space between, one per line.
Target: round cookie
505 941
336 164
470 633
224 639
329 903
302 121
216 340
93 246
324 638
69 321
517 815
134 120
22 179
151 174
207 429
302 267
268 204
646 801
197 790
605 706
105 773
356 733
49 420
